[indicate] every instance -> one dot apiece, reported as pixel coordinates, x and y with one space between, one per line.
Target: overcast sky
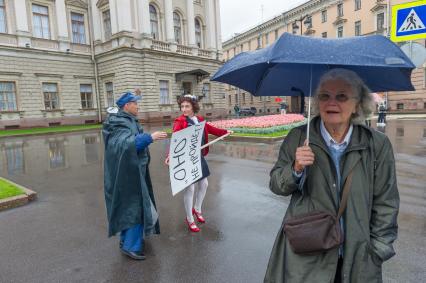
240 15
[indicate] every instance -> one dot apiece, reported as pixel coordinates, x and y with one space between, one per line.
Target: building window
241 47
357 28
276 34
107 24
266 39
41 21
198 40
78 31
251 99
424 74
380 21
109 89
399 132
357 5
50 93
295 28
400 106
164 92
8 96
187 87
86 96
340 31
259 42
323 16
324 35
206 92
153 18
177 23
3 23
340 10
308 22
229 100
244 99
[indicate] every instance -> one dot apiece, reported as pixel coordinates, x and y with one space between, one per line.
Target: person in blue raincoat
129 196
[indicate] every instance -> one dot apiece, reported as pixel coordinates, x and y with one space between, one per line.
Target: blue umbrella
297 62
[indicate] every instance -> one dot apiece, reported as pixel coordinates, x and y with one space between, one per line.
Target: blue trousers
132 238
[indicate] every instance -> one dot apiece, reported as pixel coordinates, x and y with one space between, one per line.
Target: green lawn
46 130
8 190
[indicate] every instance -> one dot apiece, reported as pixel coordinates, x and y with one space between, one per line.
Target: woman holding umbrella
188 105
342 157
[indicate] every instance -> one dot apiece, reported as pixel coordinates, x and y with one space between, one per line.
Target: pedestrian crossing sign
409 21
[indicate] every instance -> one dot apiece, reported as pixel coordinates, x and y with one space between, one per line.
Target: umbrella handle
309 106
309 118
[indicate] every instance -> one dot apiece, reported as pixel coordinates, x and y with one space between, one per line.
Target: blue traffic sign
409 21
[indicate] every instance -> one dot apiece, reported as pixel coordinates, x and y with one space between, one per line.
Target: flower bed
262 124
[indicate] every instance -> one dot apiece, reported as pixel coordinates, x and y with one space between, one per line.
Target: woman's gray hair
363 95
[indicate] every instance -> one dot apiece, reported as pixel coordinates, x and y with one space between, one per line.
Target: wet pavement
61 237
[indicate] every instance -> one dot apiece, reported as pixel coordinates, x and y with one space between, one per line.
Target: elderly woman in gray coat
314 175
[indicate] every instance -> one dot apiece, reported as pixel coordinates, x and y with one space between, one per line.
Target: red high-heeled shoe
192 226
198 215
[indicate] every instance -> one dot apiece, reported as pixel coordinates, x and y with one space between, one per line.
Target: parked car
248 111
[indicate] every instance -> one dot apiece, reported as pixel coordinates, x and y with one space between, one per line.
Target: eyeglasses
341 97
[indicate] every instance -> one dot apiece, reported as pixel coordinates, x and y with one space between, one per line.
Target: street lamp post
307 21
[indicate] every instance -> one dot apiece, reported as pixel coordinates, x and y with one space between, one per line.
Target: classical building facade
330 19
66 61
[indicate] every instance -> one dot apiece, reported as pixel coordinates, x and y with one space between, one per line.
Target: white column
22 29
61 17
191 24
211 26
168 7
21 16
218 26
124 17
144 22
96 20
113 15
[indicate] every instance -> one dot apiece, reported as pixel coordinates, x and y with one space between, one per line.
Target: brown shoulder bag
317 231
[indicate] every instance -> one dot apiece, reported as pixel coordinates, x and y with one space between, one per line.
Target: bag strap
345 194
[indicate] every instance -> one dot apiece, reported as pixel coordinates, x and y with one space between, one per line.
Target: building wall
29 69
131 58
413 101
128 69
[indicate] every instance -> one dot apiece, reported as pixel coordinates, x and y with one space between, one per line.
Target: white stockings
188 198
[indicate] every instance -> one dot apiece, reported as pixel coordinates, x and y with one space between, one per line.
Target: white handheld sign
185 157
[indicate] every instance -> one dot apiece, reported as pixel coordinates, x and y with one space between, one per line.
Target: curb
16 201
